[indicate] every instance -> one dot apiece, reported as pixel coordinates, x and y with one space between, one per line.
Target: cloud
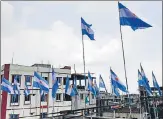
60 42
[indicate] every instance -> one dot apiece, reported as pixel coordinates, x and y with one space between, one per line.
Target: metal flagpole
84 65
124 63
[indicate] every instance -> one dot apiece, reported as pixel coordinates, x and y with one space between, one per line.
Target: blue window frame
18 78
14 116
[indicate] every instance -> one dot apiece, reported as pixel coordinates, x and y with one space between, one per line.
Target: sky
50 32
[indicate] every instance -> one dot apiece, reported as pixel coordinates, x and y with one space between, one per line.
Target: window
14 116
27 99
81 96
46 78
18 78
1 77
67 97
58 97
28 80
93 96
43 115
64 80
14 99
44 98
59 79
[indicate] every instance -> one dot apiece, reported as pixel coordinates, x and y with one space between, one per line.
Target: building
34 106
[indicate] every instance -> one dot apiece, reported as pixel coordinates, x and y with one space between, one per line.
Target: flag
101 83
155 84
87 99
96 88
140 81
127 18
90 84
6 86
116 82
115 91
69 90
16 85
54 84
75 86
86 29
42 93
40 82
148 89
26 90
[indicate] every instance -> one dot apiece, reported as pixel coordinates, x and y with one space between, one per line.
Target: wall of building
33 106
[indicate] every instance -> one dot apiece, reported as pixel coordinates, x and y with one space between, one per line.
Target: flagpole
84 65
124 62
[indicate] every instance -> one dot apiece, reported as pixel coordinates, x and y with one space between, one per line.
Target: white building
29 107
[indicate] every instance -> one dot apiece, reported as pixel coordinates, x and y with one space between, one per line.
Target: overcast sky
51 32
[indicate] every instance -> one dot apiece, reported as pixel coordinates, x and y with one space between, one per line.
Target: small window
14 99
64 80
58 97
27 99
1 77
44 98
13 116
93 96
46 78
81 96
59 79
18 78
43 115
28 80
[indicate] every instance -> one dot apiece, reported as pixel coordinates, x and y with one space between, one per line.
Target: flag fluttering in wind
116 82
69 90
96 88
144 78
40 82
54 84
6 86
115 91
26 90
86 29
155 84
16 85
87 99
141 82
75 86
101 82
90 84
140 79
127 18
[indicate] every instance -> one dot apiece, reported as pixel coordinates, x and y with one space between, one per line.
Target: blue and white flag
116 82
115 91
101 82
75 86
148 88
155 84
69 90
16 85
6 86
54 84
90 84
26 90
96 88
140 79
127 18
40 82
86 29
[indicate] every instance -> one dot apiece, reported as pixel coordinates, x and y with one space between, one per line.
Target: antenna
12 58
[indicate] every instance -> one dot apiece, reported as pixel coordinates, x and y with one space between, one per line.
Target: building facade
32 106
